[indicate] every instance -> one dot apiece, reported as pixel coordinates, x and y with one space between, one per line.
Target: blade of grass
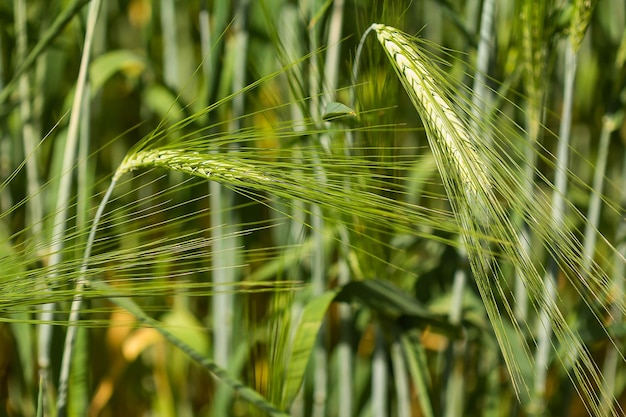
244 391
303 343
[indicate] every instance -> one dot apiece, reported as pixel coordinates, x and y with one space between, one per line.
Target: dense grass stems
203 211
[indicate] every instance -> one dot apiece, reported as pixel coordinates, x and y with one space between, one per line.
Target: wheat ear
481 214
465 177
438 114
198 164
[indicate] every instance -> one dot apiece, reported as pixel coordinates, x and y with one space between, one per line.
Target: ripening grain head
469 186
210 166
452 135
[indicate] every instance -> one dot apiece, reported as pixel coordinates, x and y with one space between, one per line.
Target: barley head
453 139
215 167
480 212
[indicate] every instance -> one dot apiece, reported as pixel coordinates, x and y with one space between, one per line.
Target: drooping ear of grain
483 219
438 115
467 184
214 167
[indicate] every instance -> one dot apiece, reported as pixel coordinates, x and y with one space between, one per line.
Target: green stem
56 28
74 317
318 266
63 197
224 217
609 125
380 375
544 339
29 134
170 43
401 380
613 361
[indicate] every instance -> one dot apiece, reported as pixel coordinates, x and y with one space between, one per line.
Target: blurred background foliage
239 273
